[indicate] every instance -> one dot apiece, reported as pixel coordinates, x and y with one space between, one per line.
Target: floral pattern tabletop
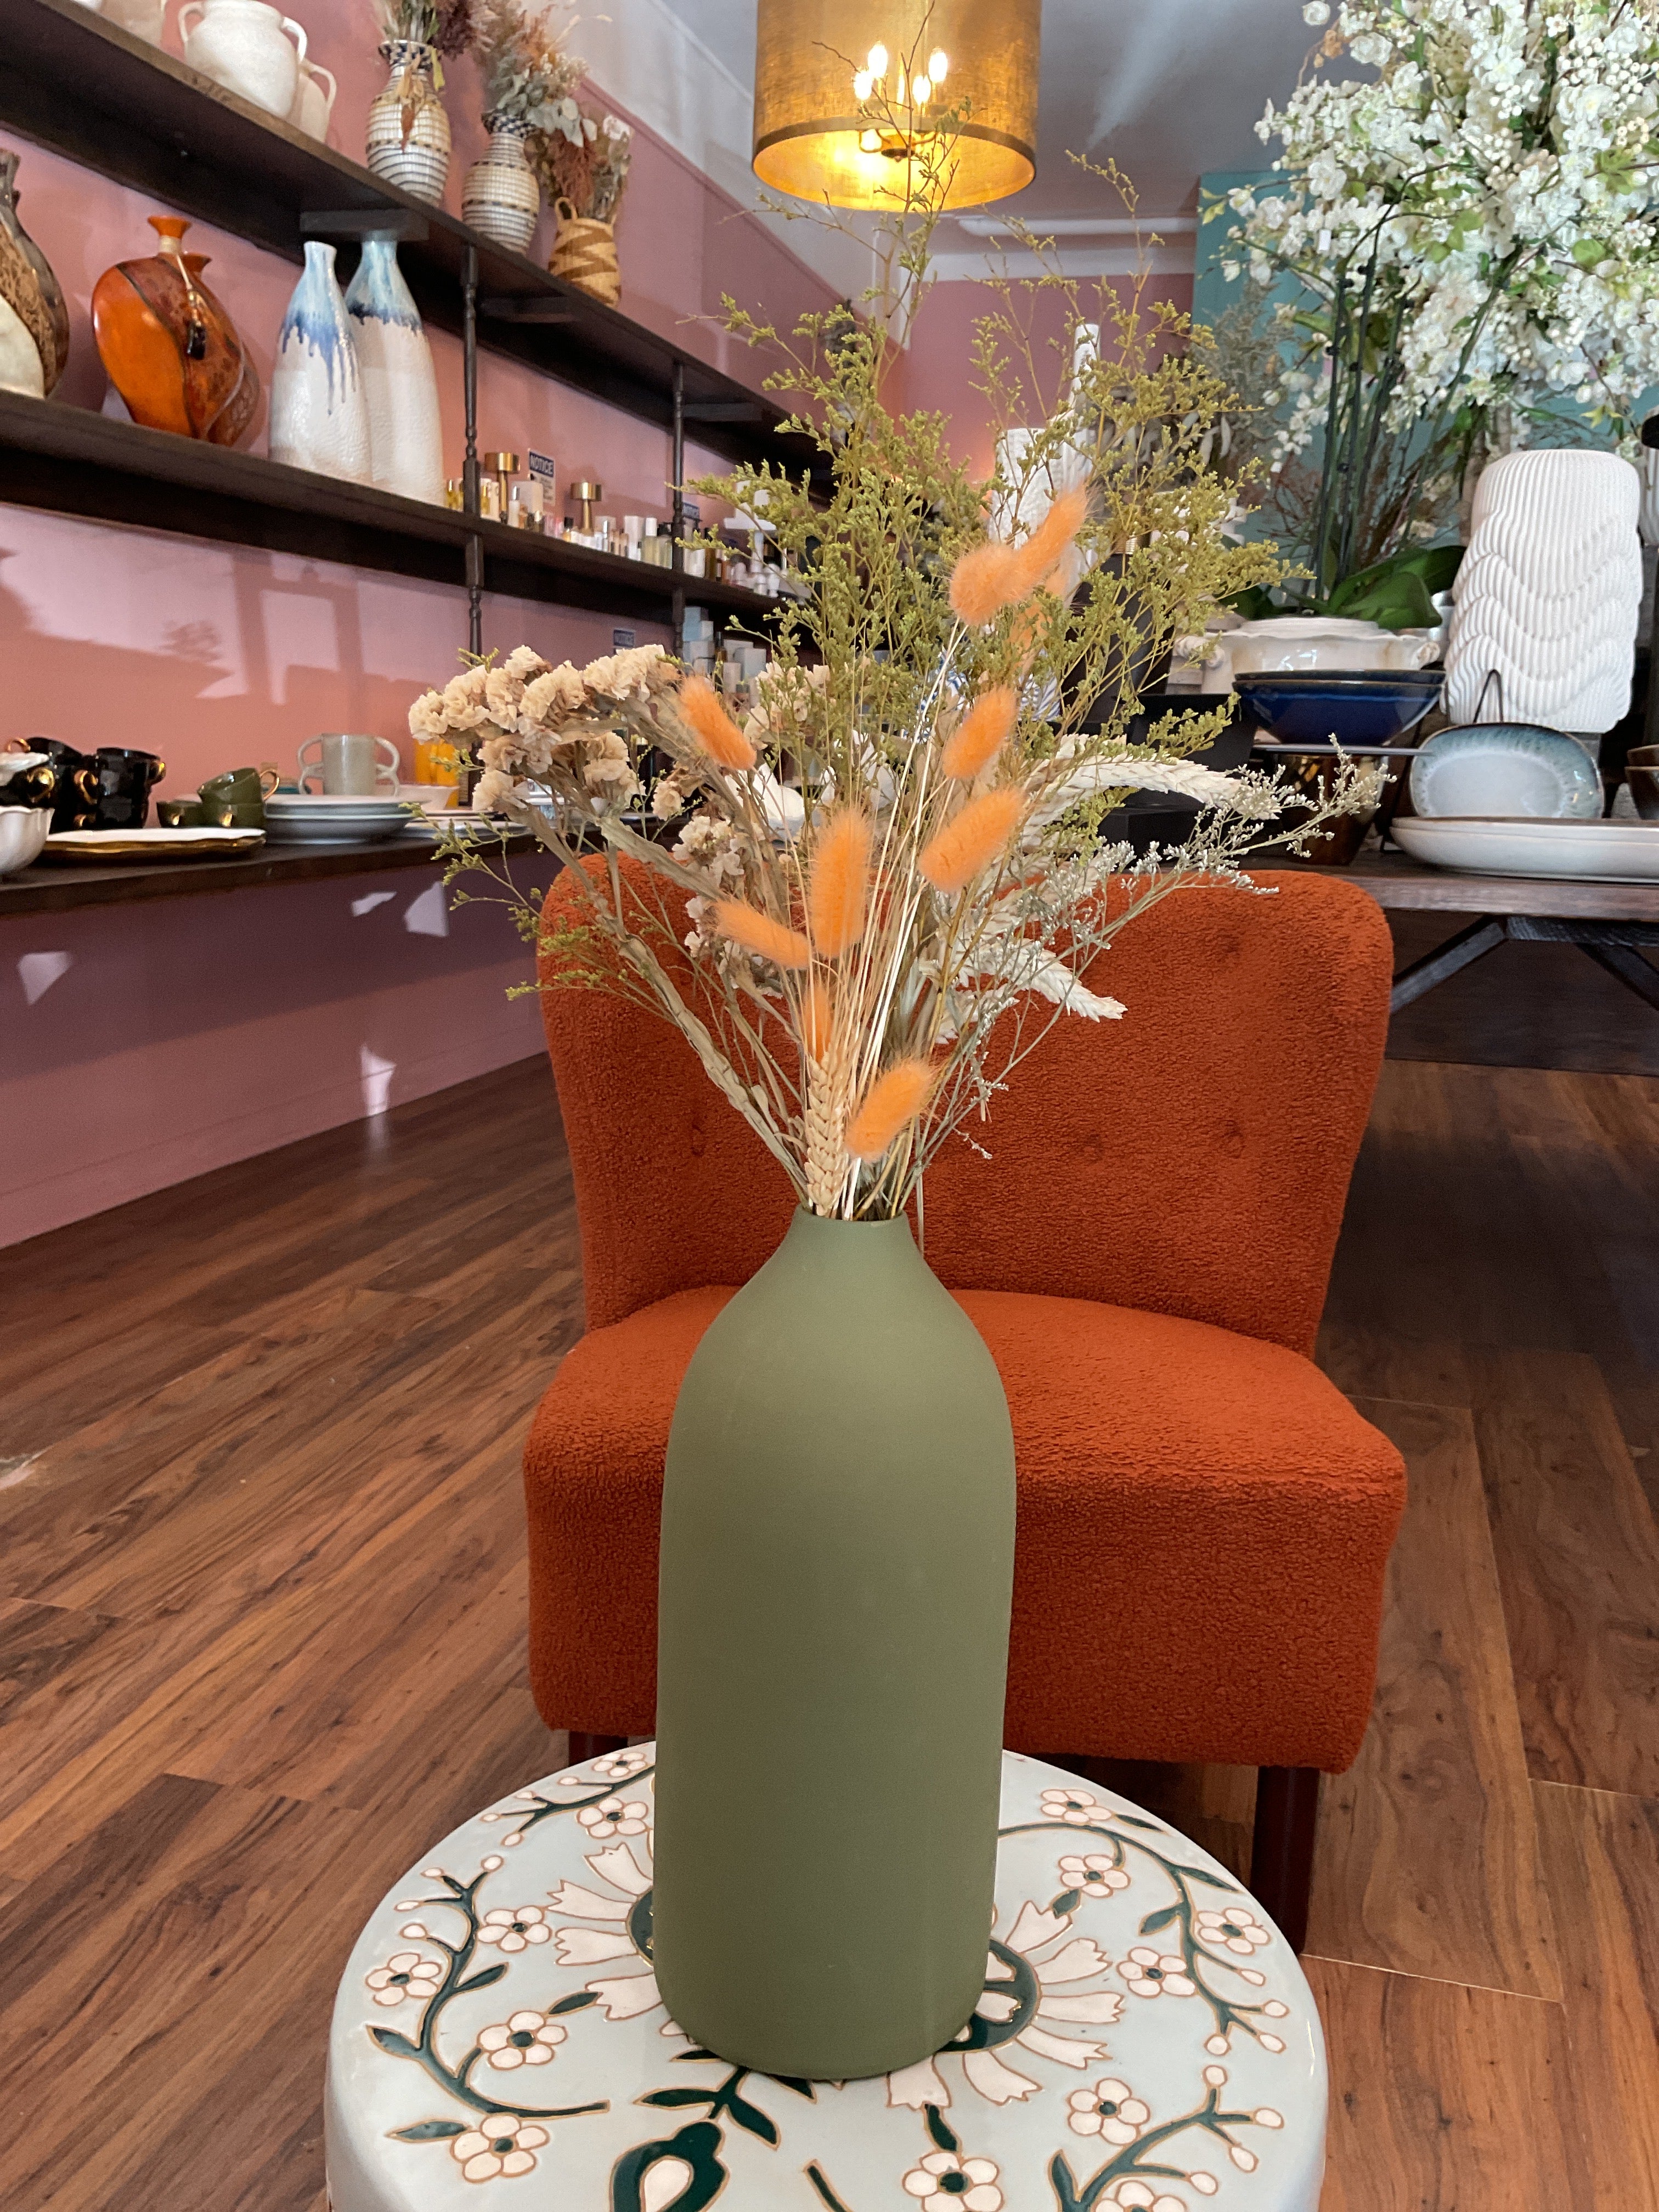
1145 2040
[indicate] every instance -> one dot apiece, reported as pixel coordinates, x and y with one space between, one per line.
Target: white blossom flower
523 2038
622 1766
1109 2110
1137 2196
1236 1930
944 2182
502 2143
1094 1876
513 1928
605 1932
406 1974
612 1816
1153 1974
1075 1807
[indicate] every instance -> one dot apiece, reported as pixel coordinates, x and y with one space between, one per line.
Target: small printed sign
543 465
622 640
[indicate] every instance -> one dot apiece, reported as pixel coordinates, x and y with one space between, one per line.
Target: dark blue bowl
1367 707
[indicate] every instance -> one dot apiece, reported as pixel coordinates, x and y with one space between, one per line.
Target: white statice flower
552 698
625 675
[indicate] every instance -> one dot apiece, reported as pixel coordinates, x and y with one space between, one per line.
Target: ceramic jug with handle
245 46
313 99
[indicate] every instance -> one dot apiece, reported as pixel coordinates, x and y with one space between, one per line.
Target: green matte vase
838 1560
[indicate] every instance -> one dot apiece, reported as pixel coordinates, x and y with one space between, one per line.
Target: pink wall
157 1042
937 373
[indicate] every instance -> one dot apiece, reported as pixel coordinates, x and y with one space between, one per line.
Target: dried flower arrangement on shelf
859 964
444 26
583 171
528 77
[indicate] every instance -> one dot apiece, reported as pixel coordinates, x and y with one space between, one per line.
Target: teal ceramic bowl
1509 768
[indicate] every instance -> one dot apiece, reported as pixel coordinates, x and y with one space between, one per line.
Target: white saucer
1487 844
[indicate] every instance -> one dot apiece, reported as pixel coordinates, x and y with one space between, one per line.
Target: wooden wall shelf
71 461
113 102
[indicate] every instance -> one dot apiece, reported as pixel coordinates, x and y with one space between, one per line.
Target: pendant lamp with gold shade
845 91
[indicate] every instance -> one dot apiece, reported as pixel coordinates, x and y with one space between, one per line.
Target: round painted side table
1146 2039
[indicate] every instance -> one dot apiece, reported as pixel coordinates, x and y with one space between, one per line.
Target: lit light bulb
922 91
863 85
870 141
877 63
936 65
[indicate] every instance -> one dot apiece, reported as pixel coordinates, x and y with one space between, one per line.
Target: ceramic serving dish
1505 768
1325 644
1601 851
151 844
23 831
1353 710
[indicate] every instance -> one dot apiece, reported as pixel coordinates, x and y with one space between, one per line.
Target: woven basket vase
585 254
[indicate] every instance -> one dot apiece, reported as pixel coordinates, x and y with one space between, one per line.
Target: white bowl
1602 851
23 834
13 764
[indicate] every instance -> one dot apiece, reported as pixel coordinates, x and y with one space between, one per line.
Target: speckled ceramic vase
837 1564
319 409
408 141
34 331
500 197
400 385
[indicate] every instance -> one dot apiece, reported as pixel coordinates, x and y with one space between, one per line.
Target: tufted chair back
1190 1160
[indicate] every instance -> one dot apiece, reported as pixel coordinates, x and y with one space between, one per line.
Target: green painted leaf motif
577 2000
1214 1880
695 2145
941 2129
639 1924
1067 1901
819 2180
389 2040
428 2131
1063 2182
801 2088
482 1981
753 2121
677 2097
1128 1819
1154 1921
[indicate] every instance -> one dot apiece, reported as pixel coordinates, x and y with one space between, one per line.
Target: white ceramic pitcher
245 46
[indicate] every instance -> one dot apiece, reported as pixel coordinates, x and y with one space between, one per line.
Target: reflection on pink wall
936 374
145 1044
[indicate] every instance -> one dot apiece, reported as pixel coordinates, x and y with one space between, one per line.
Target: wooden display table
1610 923
1145 2038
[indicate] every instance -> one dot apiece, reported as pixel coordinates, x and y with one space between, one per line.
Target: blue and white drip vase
400 385
319 407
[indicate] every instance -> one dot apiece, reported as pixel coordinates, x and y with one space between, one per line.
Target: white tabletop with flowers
1146 2039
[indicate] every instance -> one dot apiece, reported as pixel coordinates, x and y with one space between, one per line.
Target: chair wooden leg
584 1747
1281 1852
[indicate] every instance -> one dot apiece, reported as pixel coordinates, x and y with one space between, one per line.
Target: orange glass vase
169 347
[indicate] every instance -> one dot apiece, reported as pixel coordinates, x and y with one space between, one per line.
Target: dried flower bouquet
882 888
528 77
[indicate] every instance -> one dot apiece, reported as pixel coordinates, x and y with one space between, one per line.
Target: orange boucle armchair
1203 1519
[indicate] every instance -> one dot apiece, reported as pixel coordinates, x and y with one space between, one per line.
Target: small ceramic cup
236 800
350 765
179 813
125 779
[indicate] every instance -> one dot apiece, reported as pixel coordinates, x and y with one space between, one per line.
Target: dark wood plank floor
262 1629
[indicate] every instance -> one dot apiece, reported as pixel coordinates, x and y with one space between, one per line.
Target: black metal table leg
1469 944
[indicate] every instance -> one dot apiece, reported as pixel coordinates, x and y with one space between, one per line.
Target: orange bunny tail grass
978 836
818 1022
893 1102
987 579
1041 551
981 735
839 891
715 732
758 933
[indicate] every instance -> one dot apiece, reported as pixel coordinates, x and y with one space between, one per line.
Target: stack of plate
303 818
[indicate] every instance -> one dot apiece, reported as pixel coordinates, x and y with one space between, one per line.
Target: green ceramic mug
236 800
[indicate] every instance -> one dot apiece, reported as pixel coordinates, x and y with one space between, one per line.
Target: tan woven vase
585 254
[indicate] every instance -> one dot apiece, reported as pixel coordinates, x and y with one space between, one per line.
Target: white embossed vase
1548 595
501 197
400 385
408 142
319 409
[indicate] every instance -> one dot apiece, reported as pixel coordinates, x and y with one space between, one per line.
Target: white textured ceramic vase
407 137
400 385
499 196
319 410
1548 592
